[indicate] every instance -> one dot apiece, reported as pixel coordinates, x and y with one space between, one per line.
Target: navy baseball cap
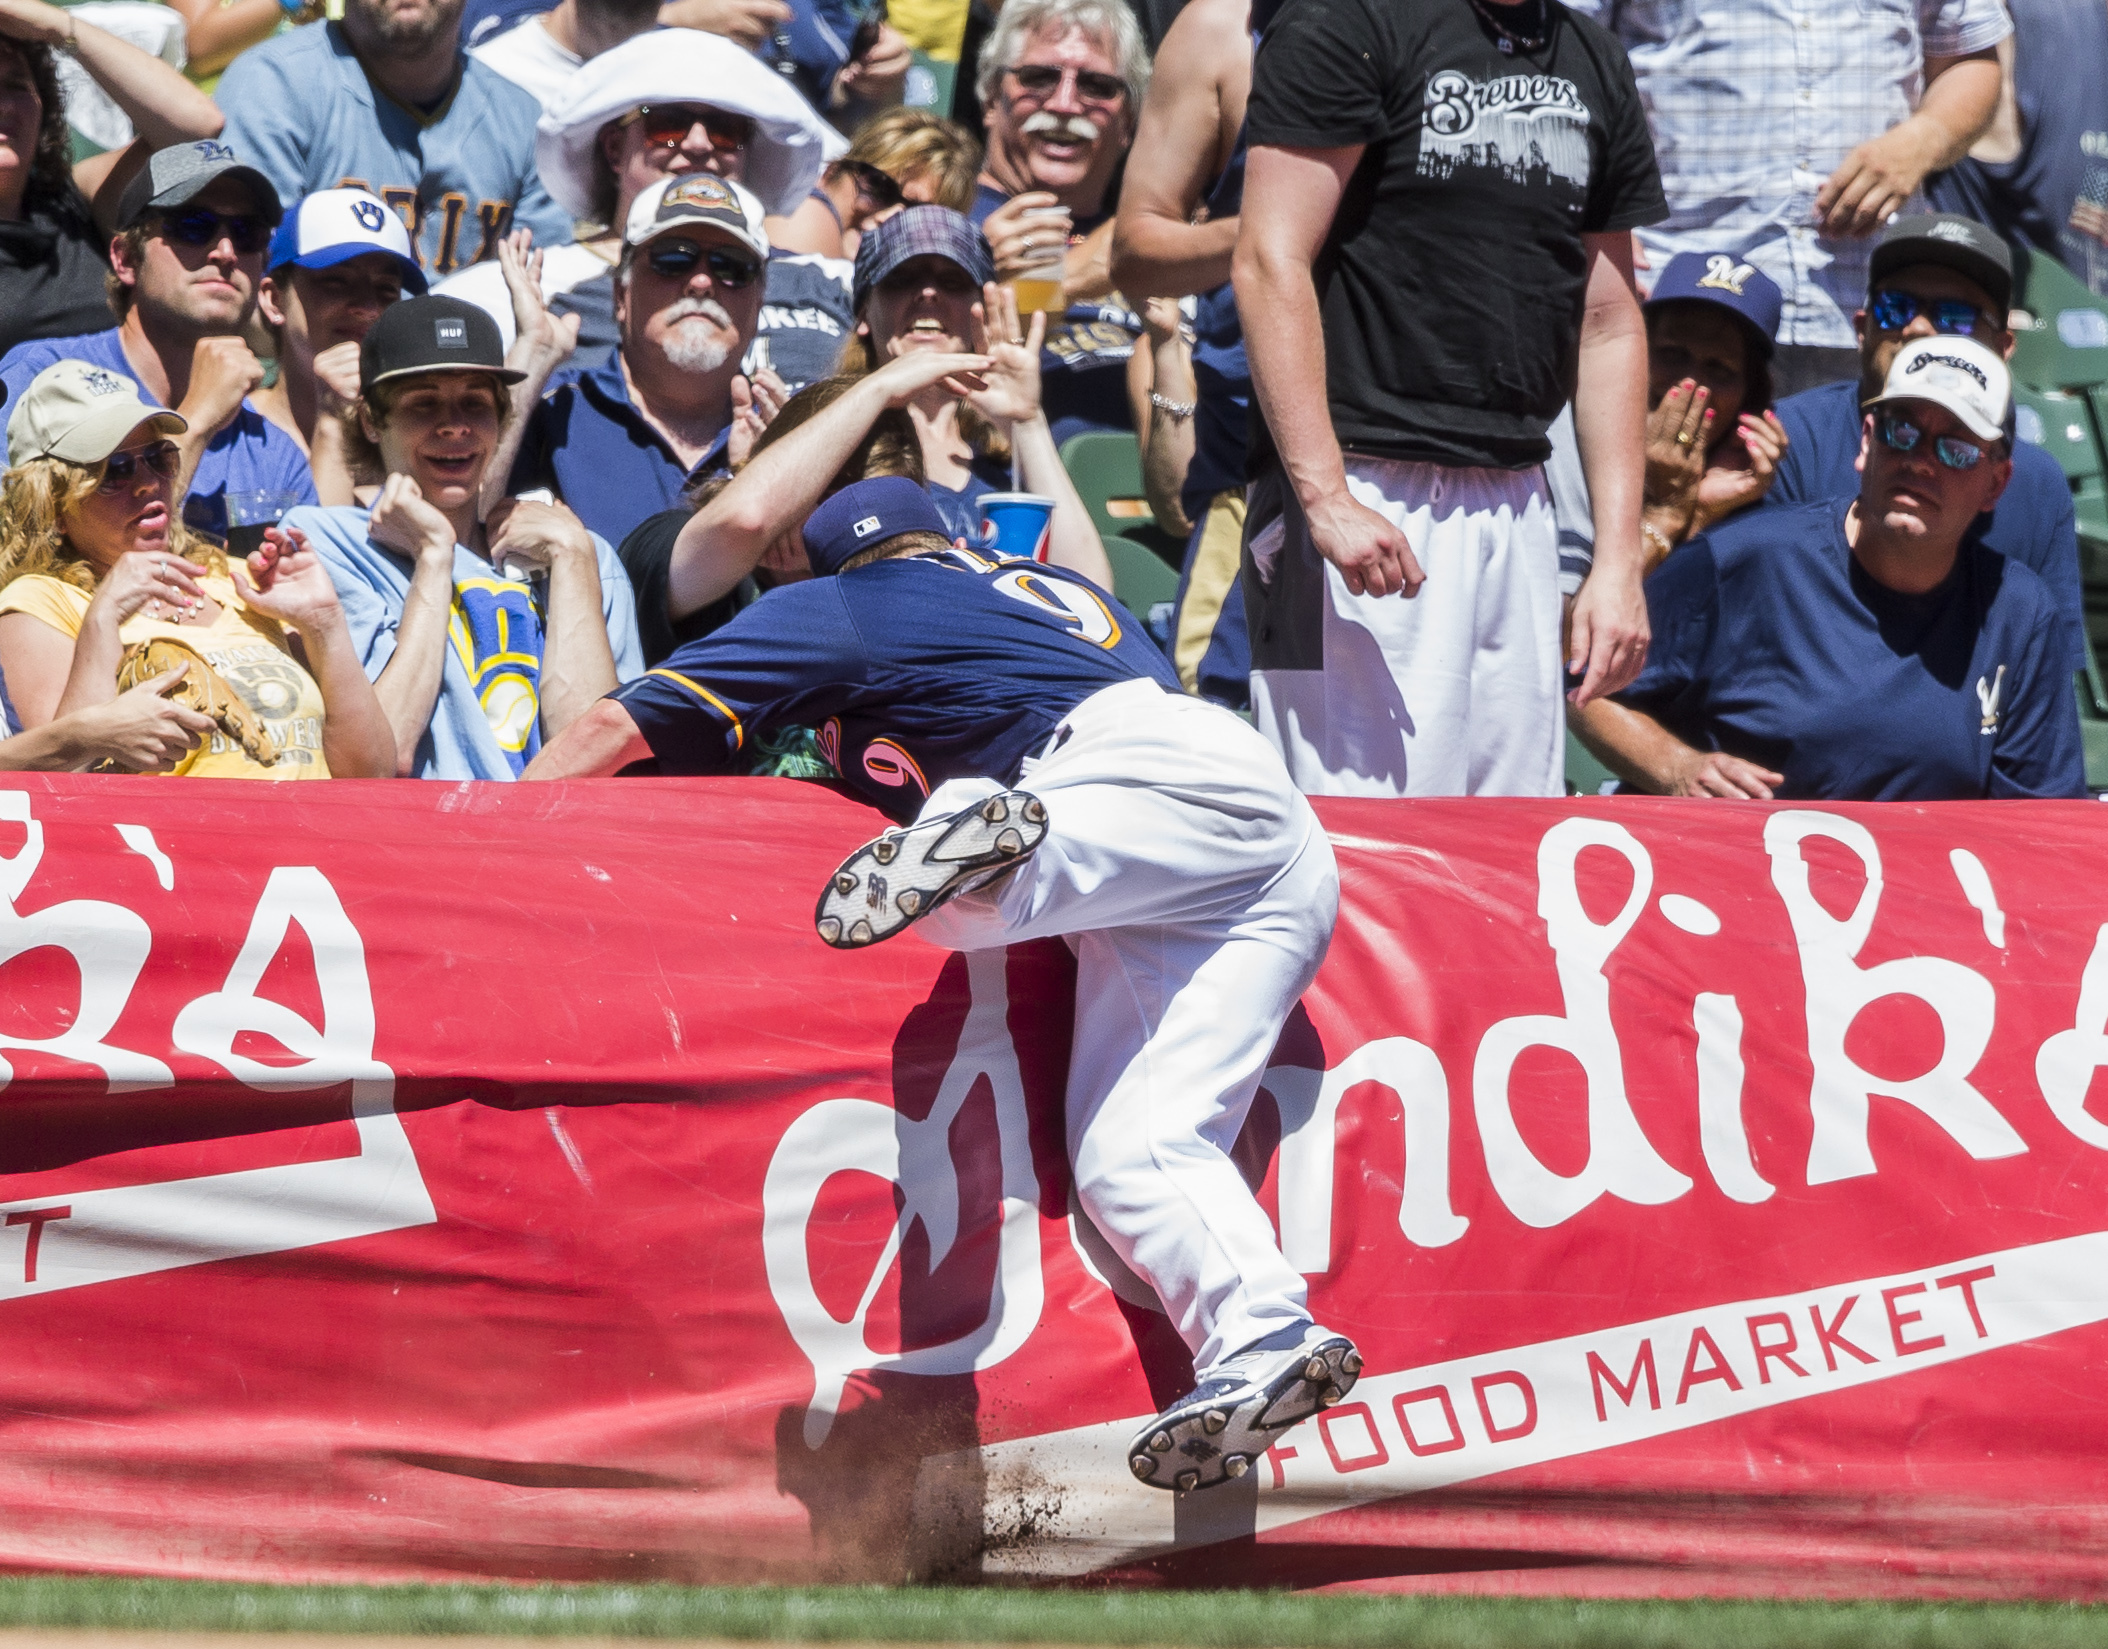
333 226
1719 277
920 232
864 515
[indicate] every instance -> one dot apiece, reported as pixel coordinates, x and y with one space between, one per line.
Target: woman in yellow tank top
94 563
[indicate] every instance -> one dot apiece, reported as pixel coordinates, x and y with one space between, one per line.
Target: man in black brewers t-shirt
1435 255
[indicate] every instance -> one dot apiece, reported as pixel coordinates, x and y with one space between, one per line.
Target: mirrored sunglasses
1899 434
678 258
1892 311
162 457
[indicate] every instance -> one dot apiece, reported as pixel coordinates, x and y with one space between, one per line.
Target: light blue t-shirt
251 454
486 723
301 111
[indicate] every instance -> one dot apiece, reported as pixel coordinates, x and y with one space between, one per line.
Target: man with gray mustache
1062 84
617 443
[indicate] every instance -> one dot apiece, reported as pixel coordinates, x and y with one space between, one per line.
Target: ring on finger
1683 437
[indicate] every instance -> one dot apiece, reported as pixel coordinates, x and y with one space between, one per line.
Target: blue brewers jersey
914 671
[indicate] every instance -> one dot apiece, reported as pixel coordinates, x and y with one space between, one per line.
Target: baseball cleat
1235 1414
889 882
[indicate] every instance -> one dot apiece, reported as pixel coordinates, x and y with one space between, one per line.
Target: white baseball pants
1198 892
1456 692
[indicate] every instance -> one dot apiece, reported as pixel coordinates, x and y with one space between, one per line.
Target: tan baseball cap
80 413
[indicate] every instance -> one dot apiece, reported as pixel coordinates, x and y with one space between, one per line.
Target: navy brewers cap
1718 277
920 232
1953 241
864 515
177 175
432 334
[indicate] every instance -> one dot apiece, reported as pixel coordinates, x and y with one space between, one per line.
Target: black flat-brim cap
432 334
1952 241
177 175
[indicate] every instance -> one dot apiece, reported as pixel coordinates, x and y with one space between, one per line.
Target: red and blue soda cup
1016 524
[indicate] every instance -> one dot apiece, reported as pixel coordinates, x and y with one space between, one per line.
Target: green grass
1221 1620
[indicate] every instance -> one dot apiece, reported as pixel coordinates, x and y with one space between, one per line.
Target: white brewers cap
791 142
332 226
1957 373
697 198
80 413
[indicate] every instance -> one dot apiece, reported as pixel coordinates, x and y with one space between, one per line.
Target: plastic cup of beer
1016 524
1041 286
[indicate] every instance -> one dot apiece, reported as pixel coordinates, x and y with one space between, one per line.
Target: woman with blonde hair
903 157
103 588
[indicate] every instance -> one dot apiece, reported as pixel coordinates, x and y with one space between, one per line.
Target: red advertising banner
429 1181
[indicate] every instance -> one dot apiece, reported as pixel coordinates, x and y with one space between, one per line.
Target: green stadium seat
1585 776
2065 425
2060 329
1106 467
1140 580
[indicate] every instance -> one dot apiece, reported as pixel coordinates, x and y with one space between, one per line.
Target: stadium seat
2060 329
2064 425
1107 469
1585 776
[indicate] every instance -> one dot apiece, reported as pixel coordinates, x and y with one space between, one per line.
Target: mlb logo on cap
866 527
333 226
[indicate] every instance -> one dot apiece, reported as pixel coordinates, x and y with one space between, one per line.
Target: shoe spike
1213 1421
1143 1467
1237 1464
1160 1443
1188 1481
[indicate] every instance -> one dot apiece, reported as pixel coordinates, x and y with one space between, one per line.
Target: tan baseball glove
204 689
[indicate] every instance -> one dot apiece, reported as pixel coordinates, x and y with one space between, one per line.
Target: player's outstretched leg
1233 1416
891 880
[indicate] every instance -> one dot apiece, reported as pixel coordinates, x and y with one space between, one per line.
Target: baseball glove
204 689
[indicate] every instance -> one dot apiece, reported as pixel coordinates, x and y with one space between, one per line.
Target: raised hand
1026 232
287 581
750 22
222 372
1010 392
402 520
1731 486
1678 430
157 583
337 378
535 536
907 376
542 341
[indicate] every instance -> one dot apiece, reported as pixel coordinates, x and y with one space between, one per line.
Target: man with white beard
1062 84
617 443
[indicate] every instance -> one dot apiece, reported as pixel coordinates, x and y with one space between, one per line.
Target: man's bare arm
1290 196
1189 125
1642 752
597 744
1608 635
1878 178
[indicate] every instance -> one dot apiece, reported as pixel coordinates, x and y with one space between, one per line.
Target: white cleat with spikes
904 874
1236 1414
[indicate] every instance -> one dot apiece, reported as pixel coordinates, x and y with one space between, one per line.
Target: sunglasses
875 186
1892 311
203 228
666 126
947 278
1899 434
1041 78
119 468
679 258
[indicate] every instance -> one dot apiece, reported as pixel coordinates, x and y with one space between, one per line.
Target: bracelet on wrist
1177 411
1655 536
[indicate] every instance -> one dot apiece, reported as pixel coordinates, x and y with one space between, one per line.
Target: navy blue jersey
1771 643
915 671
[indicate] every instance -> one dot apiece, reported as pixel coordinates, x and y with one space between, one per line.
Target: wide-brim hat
81 412
432 334
177 175
791 142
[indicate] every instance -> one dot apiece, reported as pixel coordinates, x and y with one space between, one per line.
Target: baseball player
1160 836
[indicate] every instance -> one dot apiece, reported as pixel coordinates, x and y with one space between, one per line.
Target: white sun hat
791 142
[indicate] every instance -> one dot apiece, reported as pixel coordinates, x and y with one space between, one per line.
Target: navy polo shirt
588 443
1771 643
2032 523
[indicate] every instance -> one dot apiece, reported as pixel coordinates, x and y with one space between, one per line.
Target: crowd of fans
1510 368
